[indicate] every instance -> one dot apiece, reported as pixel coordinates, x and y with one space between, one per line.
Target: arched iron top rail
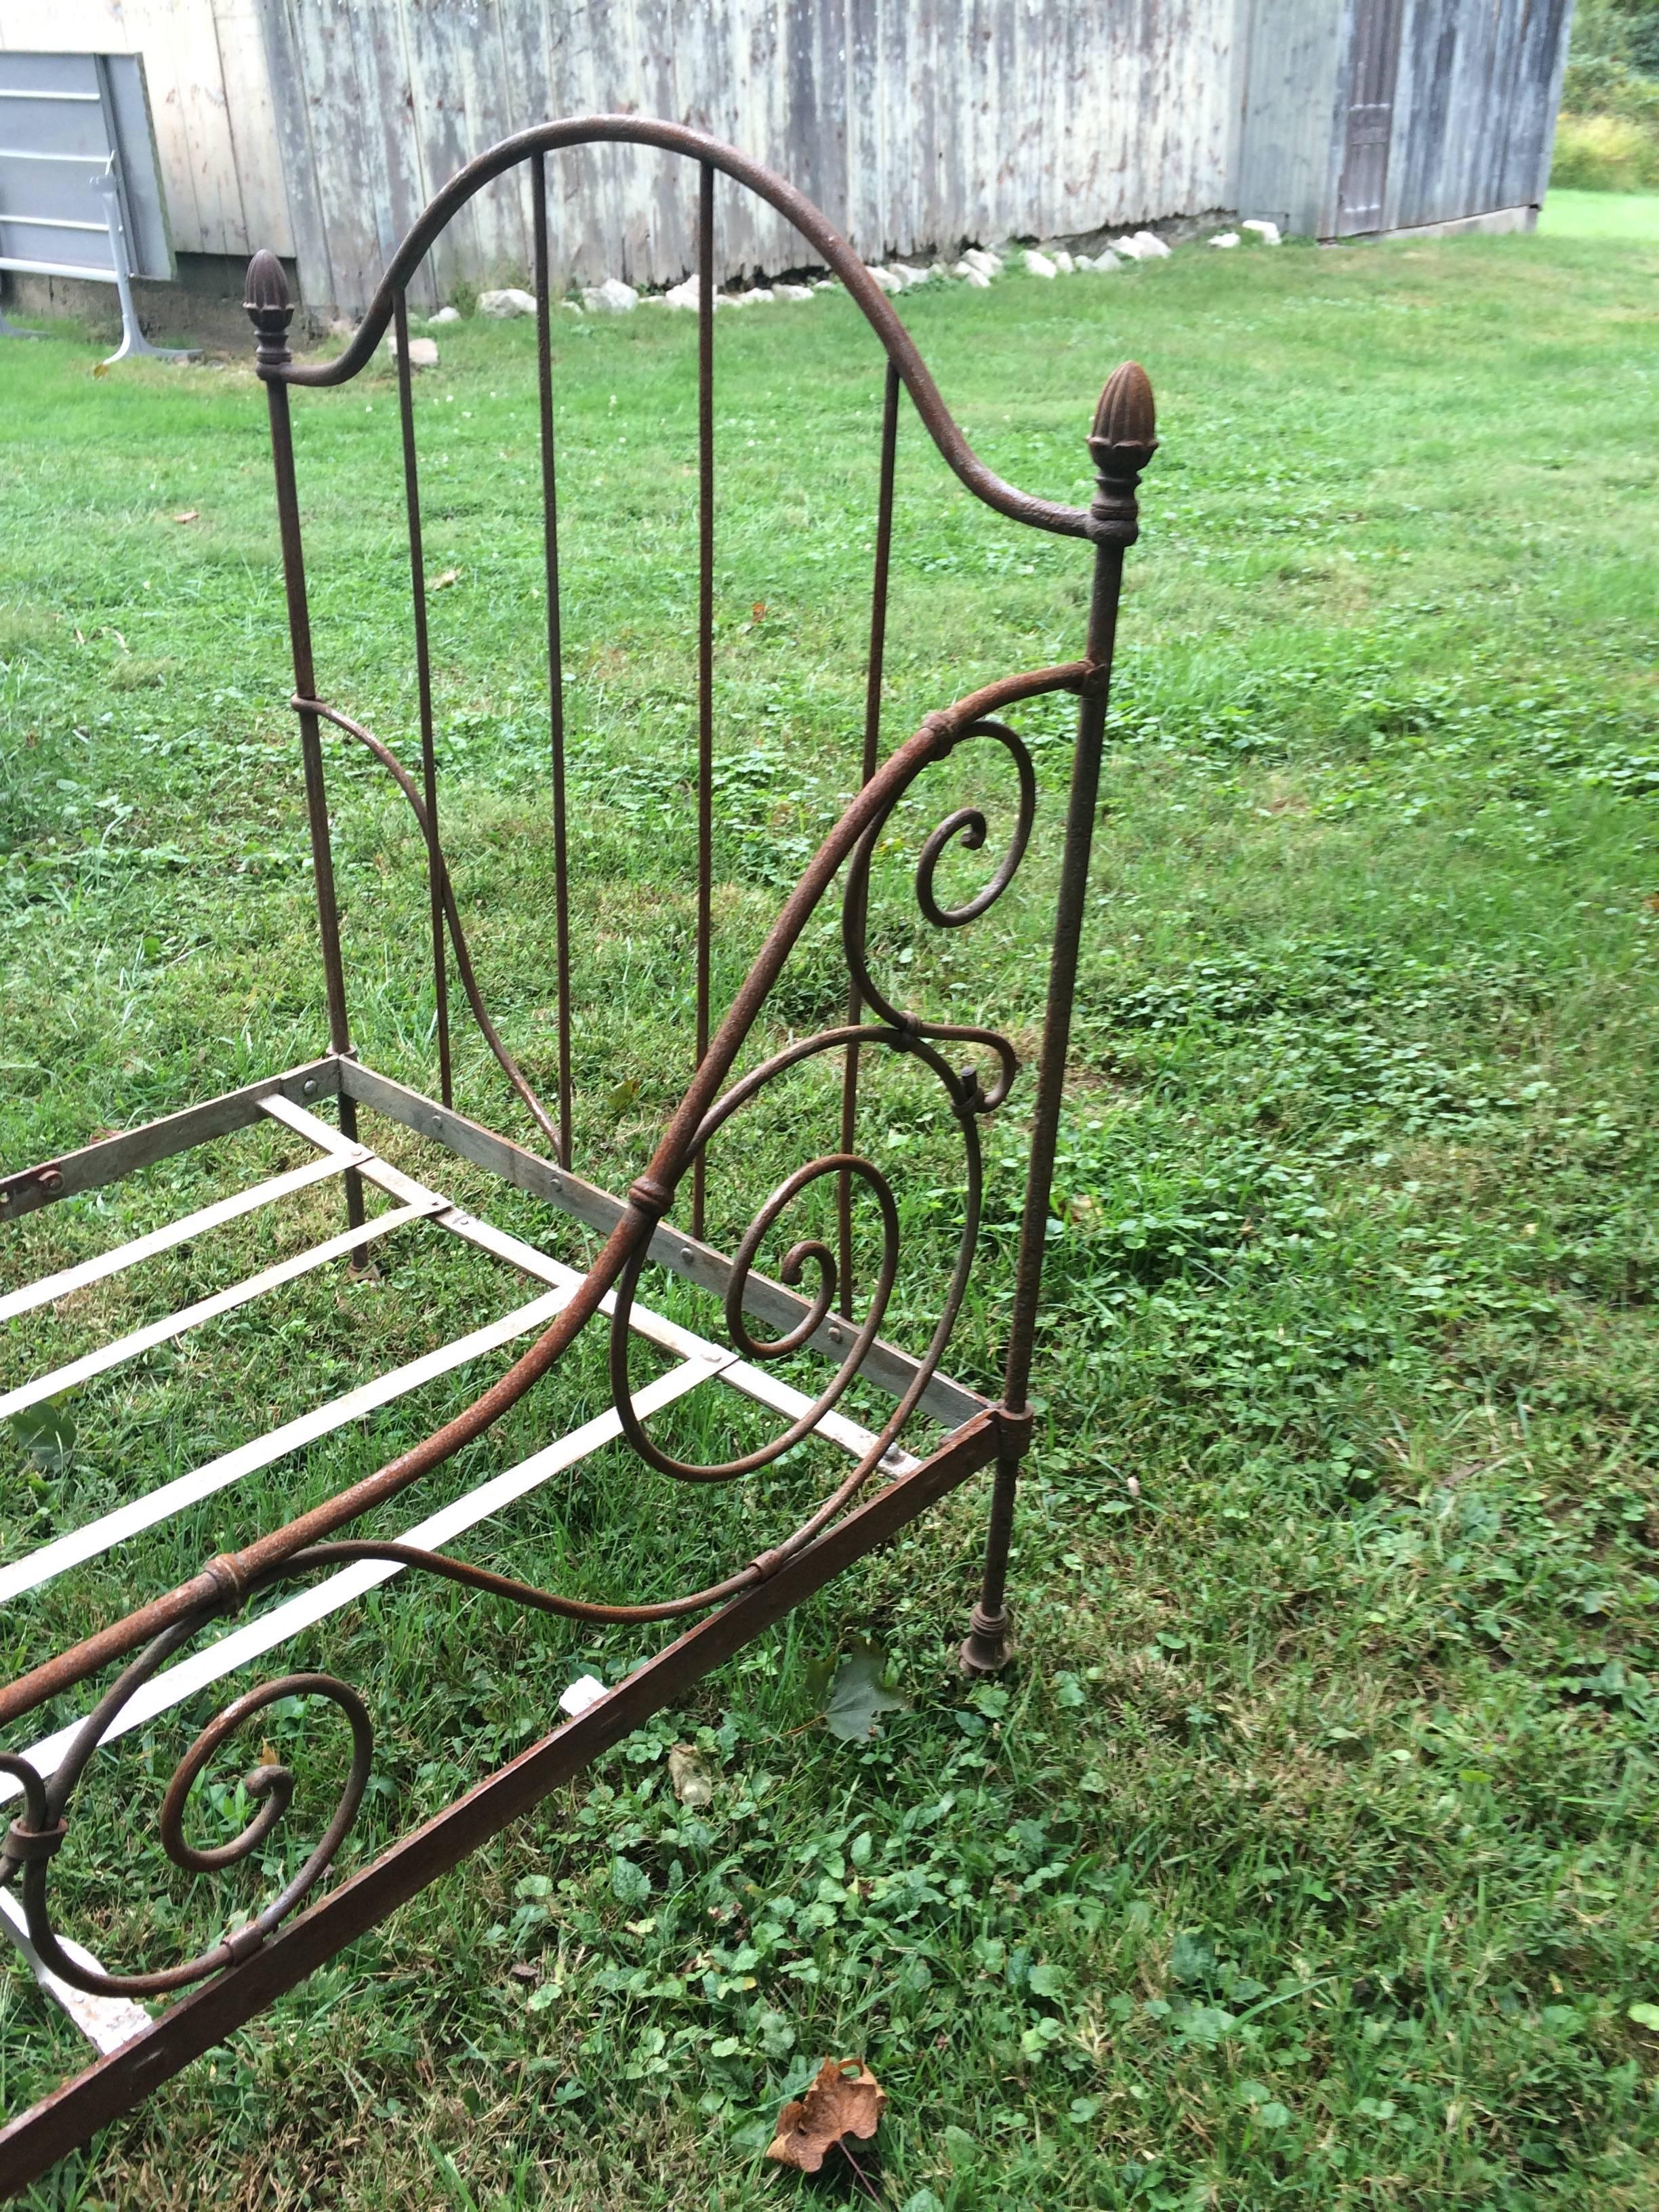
695 145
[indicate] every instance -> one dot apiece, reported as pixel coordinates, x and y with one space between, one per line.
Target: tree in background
1607 137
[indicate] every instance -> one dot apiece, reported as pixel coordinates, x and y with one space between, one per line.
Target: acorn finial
1122 441
269 309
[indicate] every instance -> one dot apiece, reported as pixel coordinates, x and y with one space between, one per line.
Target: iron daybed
659 1221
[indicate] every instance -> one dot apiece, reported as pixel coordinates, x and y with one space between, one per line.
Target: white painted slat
49 1288
106 2022
114 1528
303 1124
176 1683
206 1310
753 1381
783 1398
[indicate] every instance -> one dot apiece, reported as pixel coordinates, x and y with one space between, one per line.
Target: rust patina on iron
242 1974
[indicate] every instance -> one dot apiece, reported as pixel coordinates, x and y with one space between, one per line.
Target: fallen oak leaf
845 2099
443 583
857 1696
189 515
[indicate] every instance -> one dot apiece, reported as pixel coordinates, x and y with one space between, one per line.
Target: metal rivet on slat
688 1257
835 1331
309 1086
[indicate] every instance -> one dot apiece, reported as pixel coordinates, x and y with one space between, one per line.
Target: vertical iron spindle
849 1080
555 647
423 680
705 634
270 312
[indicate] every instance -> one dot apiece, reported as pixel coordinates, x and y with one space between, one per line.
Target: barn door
1374 65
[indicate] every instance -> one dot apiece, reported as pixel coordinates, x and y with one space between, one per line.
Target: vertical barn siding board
830 31
942 102
1517 118
296 156
431 286
375 108
1473 58
392 148
148 30
614 61
607 33
998 143
498 211
515 35
656 240
862 147
1512 47
328 70
978 168
1533 113
251 117
1428 62
1551 64
188 31
1297 98
438 33
570 69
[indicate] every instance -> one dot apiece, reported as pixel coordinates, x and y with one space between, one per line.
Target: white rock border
978 268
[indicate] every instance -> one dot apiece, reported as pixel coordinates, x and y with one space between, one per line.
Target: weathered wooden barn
1364 116
320 127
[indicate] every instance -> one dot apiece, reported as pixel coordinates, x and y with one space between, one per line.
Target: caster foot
989 1643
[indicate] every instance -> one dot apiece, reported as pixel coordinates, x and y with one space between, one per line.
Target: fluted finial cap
267 287
1124 437
269 309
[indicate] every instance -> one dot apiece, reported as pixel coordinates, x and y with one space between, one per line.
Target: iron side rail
111 1157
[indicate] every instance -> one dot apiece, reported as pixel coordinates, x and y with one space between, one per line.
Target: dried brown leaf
443 583
846 2100
189 515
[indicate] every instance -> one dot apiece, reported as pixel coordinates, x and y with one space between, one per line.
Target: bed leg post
1121 442
270 312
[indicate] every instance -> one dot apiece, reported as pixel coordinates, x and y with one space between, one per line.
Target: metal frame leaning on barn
886 1488
65 91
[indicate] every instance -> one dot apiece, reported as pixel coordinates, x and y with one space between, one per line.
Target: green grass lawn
1601 214
1306 1856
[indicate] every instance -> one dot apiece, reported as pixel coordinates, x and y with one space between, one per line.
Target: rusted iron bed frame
886 1488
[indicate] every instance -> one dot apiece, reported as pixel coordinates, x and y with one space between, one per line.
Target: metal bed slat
656 1328
49 1560
51 1288
306 1124
176 1683
948 1403
106 2022
206 1310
